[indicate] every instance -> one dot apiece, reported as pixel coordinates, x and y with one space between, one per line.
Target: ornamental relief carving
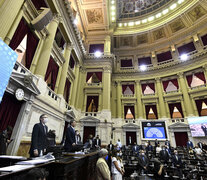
95 16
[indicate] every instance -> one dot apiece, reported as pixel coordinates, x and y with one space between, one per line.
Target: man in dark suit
189 144
143 161
164 155
158 169
110 146
167 143
97 142
70 137
176 160
39 137
203 127
135 148
200 145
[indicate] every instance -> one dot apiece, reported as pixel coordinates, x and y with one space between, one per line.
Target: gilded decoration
141 39
177 25
126 41
94 16
158 34
197 13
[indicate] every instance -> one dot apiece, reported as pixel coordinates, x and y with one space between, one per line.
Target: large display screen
7 60
154 130
198 126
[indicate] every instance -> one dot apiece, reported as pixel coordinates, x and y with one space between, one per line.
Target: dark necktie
45 129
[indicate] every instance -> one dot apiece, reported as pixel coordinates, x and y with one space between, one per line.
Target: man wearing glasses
39 137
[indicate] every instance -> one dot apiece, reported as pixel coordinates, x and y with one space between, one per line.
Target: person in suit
39 137
176 160
143 161
135 149
110 146
189 144
167 143
204 128
158 169
70 137
97 142
77 137
149 148
200 145
5 140
156 143
164 155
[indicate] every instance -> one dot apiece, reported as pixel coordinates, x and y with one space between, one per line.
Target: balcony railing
197 87
93 114
20 68
126 68
128 95
171 92
165 62
130 121
93 84
52 94
176 120
149 94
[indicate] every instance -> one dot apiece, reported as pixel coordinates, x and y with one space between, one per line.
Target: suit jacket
143 161
70 139
167 143
39 138
112 147
176 161
149 148
95 142
189 144
164 155
135 148
200 145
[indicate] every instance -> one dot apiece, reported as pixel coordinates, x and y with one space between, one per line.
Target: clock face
19 94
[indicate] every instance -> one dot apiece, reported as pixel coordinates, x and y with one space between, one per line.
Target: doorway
131 138
87 131
181 138
9 111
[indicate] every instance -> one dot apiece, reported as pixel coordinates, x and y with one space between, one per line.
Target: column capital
107 69
157 79
57 18
69 46
204 66
82 69
137 82
180 74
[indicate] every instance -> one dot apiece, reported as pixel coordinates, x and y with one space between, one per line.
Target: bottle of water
41 153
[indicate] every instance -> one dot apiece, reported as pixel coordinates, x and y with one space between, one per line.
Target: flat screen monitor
154 130
198 126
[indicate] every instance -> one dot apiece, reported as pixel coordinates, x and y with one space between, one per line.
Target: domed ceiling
134 8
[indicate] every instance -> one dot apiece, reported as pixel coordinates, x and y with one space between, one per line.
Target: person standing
77 137
4 140
70 137
189 144
117 169
97 142
110 146
39 137
102 168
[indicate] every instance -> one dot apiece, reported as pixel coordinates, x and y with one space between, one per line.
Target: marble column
139 100
106 88
118 97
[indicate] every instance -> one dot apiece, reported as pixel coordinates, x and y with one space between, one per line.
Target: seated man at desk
70 137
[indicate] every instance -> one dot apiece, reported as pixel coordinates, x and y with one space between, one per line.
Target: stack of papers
15 168
33 162
13 157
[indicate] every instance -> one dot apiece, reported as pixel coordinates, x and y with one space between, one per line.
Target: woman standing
117 168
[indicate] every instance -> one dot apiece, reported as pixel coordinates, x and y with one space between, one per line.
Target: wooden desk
78 167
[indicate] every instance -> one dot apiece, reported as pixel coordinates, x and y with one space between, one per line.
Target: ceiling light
165 11
173 6
158 15
113 13
184 57
113 18
131 23
120 24
125 24
113 8
112 2
151 18
144 20
137 22
143 67
97 54
180 1
75 21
